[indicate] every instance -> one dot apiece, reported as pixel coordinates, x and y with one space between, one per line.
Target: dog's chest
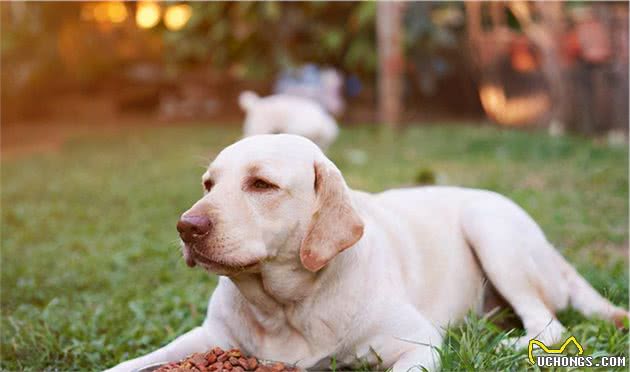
290 335
287 345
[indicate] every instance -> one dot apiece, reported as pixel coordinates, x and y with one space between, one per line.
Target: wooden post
390 61
554 26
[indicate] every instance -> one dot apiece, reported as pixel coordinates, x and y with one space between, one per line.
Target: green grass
92 274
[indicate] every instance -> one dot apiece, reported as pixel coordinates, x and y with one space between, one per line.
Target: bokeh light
177 16
515 110
104 12
116 11
147 14
101 13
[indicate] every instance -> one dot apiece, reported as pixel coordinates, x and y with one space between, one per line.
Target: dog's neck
281 290
276 285
270 300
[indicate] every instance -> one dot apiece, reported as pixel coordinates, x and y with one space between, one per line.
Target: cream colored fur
312 269
282 113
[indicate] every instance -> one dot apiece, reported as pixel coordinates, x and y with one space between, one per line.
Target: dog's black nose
191 228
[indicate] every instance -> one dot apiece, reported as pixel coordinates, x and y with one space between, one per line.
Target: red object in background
570 47
522 56
594 41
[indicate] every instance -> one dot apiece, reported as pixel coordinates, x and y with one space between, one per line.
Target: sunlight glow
147 14
177 16
513 111
116 12
104 12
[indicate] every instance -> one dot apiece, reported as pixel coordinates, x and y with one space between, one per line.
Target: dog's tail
584 298
247 100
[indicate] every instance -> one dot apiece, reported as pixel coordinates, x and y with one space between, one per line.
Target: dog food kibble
218 360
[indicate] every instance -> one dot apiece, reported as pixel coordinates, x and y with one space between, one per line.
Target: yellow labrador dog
283 113
311 269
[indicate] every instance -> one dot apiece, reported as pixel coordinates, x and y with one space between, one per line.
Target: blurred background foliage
250 39
236 35
77 46
560 65
240 35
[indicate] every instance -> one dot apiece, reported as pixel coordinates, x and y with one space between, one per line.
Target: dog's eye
207 185
259 184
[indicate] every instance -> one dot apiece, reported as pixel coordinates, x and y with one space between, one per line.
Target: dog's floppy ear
247 100
335 225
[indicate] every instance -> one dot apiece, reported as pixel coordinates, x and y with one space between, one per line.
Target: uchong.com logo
556 357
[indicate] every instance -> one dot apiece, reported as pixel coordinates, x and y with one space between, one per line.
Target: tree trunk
391 61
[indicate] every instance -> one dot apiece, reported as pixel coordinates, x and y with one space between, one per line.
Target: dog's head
269 198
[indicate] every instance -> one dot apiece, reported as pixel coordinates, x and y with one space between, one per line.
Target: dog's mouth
193 257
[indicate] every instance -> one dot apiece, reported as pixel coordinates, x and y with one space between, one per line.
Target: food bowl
208 362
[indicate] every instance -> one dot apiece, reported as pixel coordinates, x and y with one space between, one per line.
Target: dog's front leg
418 359
404 338
420 346
199 339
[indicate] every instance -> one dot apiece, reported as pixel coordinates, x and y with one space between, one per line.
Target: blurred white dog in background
283 113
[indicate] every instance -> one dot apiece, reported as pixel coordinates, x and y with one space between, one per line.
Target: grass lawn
91 269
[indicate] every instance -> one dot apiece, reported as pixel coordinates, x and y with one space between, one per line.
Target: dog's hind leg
516 257
584 298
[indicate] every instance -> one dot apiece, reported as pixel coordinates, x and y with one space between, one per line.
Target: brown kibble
211 358
199 360
216 366
219 360
243 363
235 353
